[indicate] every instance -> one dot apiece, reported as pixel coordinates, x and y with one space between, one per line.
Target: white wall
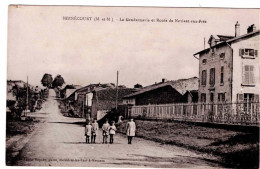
237 67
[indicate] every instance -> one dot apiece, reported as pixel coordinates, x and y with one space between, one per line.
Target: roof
106 98
229 39
181 85
92 87
72 87
69 92
221 37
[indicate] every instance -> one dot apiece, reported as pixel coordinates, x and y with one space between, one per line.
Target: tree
47 80
58 81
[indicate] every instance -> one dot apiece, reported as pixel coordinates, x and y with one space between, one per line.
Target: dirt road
60 141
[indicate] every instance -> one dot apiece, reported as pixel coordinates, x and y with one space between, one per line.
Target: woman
131 127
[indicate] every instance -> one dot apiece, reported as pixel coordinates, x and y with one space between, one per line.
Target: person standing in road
105 129
94 131
131 127
112 132
88 129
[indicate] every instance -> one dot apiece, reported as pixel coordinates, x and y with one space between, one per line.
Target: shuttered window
222 75
203 97
248 53
212 77
248 75
204 77
221 97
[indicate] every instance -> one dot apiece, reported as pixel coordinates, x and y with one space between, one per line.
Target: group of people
91 131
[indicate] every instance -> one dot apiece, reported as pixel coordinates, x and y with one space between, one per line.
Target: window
248 99
204 61
211 97
222 56
203 98
222 75
213 50
212 77
204 77
248 53
221 97
248 75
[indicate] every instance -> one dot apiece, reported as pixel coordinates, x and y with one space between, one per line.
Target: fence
242 113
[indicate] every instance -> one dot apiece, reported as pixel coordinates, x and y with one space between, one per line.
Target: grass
19 128
238 149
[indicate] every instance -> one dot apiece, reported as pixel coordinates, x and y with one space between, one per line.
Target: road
60 141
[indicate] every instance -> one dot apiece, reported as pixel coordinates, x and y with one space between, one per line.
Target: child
112 132
94 131
105 129
88 131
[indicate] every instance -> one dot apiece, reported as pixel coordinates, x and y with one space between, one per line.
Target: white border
158 3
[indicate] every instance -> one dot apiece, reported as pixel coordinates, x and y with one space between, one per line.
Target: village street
60 141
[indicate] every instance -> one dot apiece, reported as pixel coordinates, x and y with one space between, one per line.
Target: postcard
133 87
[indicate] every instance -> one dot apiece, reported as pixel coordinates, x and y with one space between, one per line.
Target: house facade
229 68
166 92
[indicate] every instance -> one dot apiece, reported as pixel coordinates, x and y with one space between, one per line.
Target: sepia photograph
132 87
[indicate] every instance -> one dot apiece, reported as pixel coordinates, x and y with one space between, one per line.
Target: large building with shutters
229 68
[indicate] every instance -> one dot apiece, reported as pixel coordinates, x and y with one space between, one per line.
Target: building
178 91
63 91
229 68
104 100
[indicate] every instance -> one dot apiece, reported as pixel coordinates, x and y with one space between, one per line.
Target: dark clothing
93 138
111 138
130 139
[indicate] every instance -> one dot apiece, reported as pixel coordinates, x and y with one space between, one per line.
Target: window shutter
205 77
246 74
256 53
241 52
251 75
256 97
213 76
243 75
240 97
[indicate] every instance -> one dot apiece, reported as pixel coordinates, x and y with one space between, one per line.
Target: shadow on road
80 123
178 161
88 144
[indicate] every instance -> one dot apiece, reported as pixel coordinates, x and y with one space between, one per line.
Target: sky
84 52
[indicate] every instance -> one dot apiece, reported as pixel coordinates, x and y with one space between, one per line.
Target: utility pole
83 106
117 89
204 42
27 98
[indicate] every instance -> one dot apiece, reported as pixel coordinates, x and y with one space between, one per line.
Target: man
94 131
131 127
88 128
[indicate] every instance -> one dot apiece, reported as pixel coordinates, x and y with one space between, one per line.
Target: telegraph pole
117 88
204 42
83 107
27 98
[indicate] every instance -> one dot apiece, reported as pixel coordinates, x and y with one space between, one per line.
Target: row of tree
47 81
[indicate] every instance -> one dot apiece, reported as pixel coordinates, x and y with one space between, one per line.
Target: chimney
251 28
237 29
163 80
